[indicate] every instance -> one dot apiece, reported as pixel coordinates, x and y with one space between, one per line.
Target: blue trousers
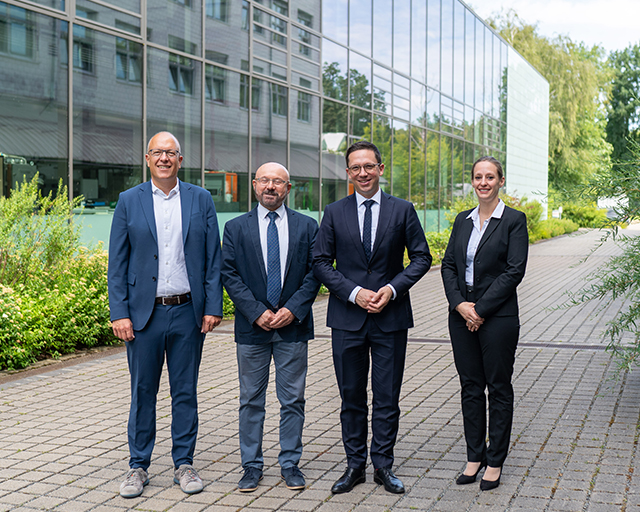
171 331
352 351
290 359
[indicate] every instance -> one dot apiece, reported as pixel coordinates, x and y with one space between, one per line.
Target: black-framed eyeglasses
157 153
276 181
355 169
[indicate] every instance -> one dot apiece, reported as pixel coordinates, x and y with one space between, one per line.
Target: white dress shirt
172 269
375 215
282 224
476 236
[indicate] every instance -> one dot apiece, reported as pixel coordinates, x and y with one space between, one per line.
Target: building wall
242 82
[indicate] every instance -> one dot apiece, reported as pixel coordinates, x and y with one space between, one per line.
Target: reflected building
241 82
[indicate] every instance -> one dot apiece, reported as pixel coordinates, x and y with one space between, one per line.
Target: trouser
290 359
171 330
351 351
484 359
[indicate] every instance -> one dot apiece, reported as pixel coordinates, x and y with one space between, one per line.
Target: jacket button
155 256
153 279
368 271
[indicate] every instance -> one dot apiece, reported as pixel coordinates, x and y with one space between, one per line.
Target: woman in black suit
484 262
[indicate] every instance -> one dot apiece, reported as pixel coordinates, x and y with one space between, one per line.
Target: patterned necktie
273 262
366 229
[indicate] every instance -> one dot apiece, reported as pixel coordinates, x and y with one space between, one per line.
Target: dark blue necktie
273 262
366 229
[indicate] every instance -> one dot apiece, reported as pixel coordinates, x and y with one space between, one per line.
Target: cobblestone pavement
574 444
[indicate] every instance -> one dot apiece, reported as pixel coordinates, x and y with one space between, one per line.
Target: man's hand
210 322
380 299
282 318
265 319
123 329
364 298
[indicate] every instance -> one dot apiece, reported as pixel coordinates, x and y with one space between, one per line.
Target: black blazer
339 240
245 278
499 264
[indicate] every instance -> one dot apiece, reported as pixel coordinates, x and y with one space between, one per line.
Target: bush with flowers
53 292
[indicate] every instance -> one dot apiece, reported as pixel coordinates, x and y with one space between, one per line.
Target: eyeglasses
157 153
355 169
276 181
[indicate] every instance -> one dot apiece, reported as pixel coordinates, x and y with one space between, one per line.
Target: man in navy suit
369 310
266 269
165 294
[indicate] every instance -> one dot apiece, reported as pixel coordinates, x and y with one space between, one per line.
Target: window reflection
360 26
382 31
360 80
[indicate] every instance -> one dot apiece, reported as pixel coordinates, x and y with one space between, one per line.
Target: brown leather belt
174 300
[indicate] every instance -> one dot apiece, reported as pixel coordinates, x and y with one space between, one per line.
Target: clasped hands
374 302
270 320
468 312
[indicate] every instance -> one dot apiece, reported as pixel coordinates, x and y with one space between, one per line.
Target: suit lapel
186 201
350 216
146 200
292 220
384 216
253 227
493 224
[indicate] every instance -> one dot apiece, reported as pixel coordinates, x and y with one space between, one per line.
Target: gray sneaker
188 478
134 482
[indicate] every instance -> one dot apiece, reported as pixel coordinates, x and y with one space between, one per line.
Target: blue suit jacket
339 240
245 278
499 264
133 254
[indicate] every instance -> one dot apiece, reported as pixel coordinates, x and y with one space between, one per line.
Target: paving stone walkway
574 444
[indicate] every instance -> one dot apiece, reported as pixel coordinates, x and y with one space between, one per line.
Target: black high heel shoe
469 479
487 485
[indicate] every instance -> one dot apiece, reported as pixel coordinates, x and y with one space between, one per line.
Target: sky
612 24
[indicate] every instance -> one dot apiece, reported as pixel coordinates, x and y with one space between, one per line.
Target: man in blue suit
266 269
165 294
369 310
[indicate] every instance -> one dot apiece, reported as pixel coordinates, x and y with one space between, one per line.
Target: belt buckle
164 299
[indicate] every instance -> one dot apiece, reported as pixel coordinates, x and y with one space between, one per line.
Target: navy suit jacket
499 264
133 254
339 240
245 277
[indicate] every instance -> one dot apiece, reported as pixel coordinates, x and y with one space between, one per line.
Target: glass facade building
85 83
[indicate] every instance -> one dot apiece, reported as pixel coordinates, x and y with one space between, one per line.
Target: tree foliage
578 82
623 124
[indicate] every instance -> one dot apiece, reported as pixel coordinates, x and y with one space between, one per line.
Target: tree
578 81
623 124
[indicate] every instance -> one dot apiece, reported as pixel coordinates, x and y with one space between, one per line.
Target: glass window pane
418 103
447 48
304 153
419 41
402 37
360 26
382 30
107 135
433 109
334 71
400 155
433 43
335 16
360 80
458 50
418 149
174 104
186 22
470 39
432 201
334 144
488 70
226 38
107 16
34 117
382 135
226 164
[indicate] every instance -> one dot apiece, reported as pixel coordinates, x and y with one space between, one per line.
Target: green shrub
53 293
552 227
585 216
438 244
228 307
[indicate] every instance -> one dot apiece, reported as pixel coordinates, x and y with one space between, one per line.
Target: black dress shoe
487 485
469 479
349 480
384 476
